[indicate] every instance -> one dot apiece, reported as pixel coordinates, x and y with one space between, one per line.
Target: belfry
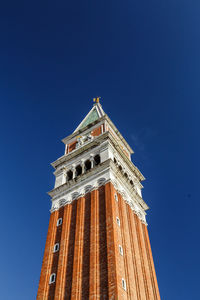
97 243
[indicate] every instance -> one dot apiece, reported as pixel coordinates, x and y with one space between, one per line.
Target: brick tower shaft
97 244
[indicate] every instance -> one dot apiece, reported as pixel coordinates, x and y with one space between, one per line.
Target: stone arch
62 202
78 170
97 160
88 188
75 195
69 175
87 165
101 181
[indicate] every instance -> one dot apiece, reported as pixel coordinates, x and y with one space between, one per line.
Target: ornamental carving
81 140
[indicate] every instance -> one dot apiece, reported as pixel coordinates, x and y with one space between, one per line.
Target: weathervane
96 100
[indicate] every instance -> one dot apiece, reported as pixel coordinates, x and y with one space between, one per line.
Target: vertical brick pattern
151 263
71 146
86 249
64 247
70 254
127 254
54 263
94 284
103 258
78 251
135 249
88 264
96 131
121 266
111 245
47 259
144 258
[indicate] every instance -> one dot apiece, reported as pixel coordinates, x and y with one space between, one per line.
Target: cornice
118 133
130 164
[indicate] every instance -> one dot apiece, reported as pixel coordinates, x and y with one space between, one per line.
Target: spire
94 114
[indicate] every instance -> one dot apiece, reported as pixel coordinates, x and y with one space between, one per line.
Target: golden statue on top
96 100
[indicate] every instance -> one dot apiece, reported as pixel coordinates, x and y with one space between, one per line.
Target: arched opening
52 278
88 188
125 174
115 160
97 160
69 175
87 165
131 182
101 181
120 167
78 170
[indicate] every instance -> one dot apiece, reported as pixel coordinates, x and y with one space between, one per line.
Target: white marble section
83 187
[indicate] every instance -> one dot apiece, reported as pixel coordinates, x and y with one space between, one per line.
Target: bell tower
97 244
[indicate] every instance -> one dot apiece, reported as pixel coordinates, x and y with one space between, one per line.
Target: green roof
93 116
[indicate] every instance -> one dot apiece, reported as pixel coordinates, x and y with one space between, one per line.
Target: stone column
92 161
74 172
64 179
83 166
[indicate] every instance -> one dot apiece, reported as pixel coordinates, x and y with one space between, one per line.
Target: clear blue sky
142 58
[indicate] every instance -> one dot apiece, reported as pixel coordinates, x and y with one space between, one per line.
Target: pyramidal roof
94 114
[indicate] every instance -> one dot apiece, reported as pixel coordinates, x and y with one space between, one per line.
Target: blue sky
142 58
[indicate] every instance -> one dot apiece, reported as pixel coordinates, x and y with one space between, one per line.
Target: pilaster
138 271
151 264
78 251
63 256
127 254
94 247
48 258
111 245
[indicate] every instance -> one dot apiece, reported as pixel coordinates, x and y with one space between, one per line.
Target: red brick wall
71 146
48 258
88 264
96 131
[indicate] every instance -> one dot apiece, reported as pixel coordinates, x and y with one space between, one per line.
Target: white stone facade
73 177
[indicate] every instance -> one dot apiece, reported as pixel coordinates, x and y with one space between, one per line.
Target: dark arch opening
125 174
115 160
69 175
97 160
87 165
131 182
78 170
120 167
